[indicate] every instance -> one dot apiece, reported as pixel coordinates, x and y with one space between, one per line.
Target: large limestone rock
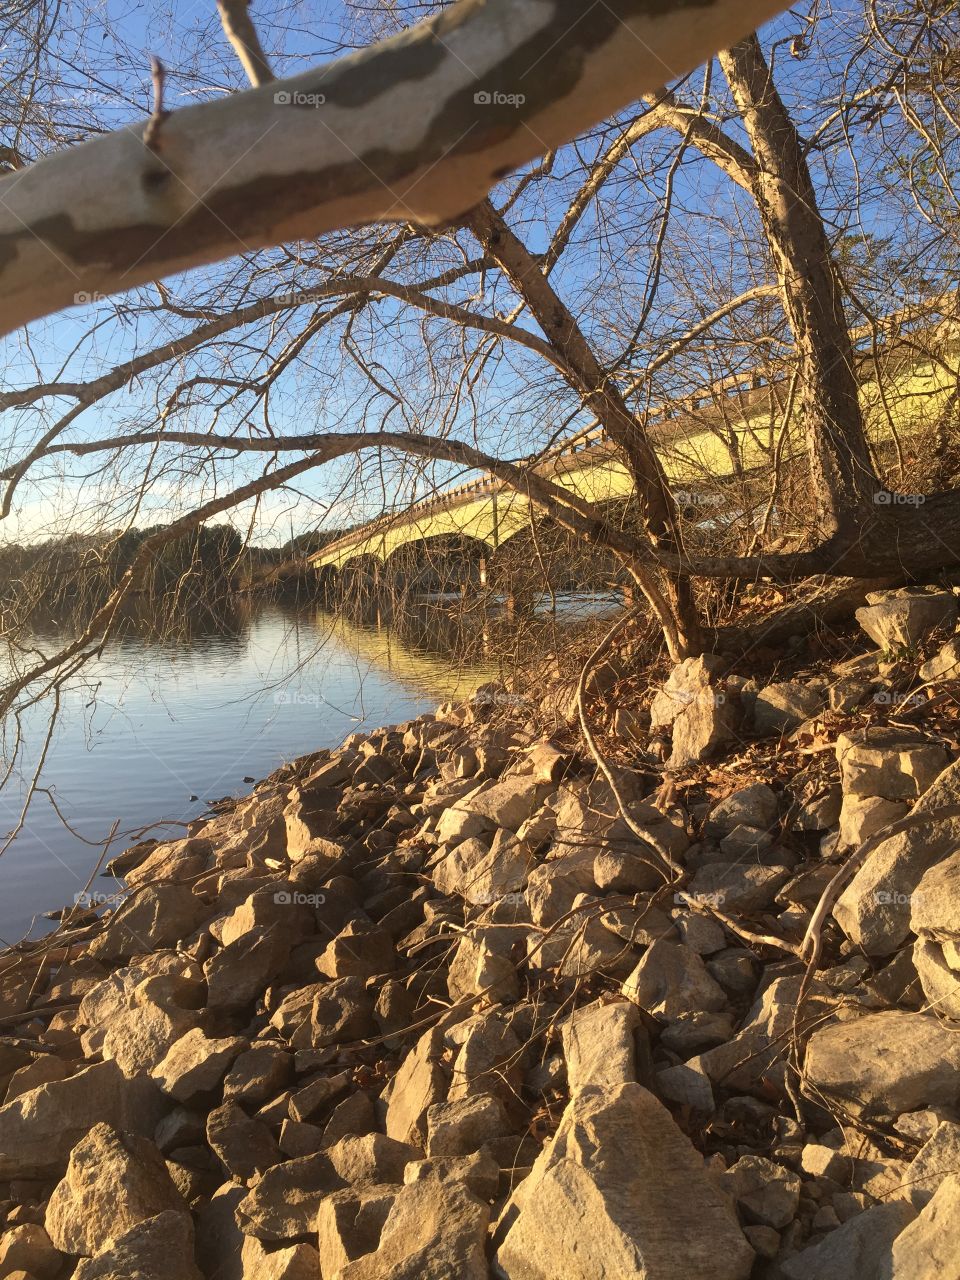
103 1003
894 763
350 1223
863 816
671 980
900 619
258 1074
507 803
856 1250
283 1205
113 1182
930 1246
781 707
756 1054
458 1128
935 906
480 965
874 911
435 1230
243 1144
620 1191
936 1160
238 974
420 1082
599 1045
152 918
159 1249
944 665
39 1129
737 887
488 1054
940 983
753 806
139 1037
27 1250
359 950
691 701
291 1262
767 1194
195 1064
885 1063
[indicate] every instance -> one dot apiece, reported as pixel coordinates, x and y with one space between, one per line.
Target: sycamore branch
416 128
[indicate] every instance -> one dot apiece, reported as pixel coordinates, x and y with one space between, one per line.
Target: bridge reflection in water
442 643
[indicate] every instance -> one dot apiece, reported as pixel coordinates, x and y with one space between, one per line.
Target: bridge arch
438 563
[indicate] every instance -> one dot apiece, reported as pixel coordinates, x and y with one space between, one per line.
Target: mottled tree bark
417 128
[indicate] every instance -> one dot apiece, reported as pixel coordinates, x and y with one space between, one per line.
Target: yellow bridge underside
913 401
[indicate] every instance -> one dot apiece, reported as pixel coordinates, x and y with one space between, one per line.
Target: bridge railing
863 337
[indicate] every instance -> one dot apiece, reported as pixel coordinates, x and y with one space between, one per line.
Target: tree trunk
839 458
586 375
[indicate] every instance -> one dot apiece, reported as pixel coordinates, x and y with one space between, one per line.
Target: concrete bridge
729 427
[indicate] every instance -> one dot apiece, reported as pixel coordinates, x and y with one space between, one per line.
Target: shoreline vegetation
659 964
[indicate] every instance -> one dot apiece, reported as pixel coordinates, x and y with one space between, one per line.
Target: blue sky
115 47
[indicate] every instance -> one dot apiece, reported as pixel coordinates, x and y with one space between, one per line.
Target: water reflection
159 727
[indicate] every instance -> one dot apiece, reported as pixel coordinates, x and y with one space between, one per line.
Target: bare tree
589 289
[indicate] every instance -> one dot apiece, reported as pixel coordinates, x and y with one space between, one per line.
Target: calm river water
157 730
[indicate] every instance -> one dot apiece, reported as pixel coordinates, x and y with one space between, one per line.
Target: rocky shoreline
452 1002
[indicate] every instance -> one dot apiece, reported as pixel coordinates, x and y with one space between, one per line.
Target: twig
602 764
151 134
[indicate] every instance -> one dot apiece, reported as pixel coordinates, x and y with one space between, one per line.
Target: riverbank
457 1000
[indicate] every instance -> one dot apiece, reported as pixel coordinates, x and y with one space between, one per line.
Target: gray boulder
930 1245
620 1191
874 911
39 1129
885 1063
858 1250
900 619
781 707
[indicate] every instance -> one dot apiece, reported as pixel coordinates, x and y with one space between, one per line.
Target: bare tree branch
417 128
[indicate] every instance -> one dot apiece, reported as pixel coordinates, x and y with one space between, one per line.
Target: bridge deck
693 448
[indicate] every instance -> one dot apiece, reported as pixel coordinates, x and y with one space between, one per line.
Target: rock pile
437 1004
